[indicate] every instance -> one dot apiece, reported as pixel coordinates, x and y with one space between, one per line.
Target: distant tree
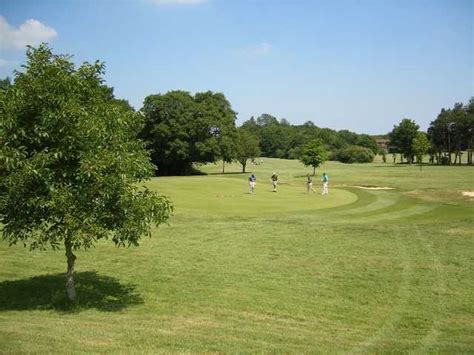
217 109
70 162
175 136
437 133
266 119
5 83
402 136
280 139
182 129
314 155
366 141
247 147
274 140
251 125
421 146
456 131
349 138
470 130
285 122
452 132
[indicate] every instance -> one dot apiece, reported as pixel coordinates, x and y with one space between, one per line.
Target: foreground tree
247 147
70 162
314 155
420 146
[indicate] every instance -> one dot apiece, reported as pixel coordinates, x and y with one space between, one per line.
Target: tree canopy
402 136
247 147
70 161
314 154
452 132
280 139
182 129
421 146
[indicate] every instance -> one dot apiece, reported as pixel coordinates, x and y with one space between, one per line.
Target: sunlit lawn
358 270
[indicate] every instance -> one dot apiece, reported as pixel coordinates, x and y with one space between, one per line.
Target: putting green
230 196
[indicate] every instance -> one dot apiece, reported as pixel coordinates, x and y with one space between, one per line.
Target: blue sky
358 65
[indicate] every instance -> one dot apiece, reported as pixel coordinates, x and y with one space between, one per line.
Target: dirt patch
370 187
468 194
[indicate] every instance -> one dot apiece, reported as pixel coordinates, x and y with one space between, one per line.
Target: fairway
359 270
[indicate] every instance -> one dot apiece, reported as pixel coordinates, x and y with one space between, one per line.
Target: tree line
183 129
451 133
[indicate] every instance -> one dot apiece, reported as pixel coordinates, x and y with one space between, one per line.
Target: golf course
383 263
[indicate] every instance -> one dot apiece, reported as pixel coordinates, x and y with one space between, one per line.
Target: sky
345 64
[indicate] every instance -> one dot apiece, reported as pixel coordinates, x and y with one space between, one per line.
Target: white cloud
178 2
256 51
31 32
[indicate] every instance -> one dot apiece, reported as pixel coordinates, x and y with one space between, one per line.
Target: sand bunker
468 193
367 187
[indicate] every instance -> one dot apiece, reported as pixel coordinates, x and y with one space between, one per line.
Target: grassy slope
358 270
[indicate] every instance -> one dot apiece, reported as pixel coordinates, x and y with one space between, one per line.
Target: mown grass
356 271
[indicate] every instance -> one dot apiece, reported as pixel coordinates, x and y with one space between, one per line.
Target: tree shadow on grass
398 165
228 173
48 292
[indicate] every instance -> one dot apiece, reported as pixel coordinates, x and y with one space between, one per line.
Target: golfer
309 184
252 181
274 181
325 180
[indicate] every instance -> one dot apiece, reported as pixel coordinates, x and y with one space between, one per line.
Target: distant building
382 143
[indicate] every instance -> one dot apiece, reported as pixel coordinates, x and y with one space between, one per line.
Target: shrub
353 154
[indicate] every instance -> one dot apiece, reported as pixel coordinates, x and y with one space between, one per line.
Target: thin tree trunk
71 258
223 165
243 167
314 171
470 152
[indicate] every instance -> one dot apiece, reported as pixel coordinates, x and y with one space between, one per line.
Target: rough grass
355 271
